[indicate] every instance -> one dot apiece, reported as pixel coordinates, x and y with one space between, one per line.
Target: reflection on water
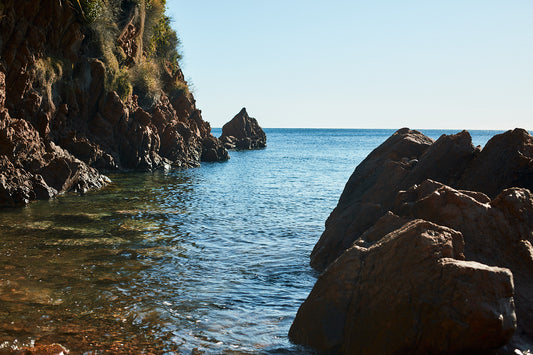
147 264
92 272
205 260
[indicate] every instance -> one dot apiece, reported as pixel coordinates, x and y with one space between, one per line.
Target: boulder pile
429 250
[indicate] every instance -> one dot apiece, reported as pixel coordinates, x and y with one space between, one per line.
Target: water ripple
210 260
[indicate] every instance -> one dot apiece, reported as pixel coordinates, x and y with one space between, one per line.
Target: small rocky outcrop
243 132
421 256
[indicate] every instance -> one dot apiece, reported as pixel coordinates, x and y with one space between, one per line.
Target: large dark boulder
374 182
408 158
243 132
497 232
393 279
409 293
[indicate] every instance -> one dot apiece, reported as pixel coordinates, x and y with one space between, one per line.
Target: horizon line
418 129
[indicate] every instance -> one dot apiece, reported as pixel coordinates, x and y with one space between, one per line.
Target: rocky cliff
429 250
88 86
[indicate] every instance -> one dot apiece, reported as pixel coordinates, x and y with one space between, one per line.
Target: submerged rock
52 349
243 132
395 279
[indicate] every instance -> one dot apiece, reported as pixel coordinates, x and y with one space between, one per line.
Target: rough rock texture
243 132
497 232
31 169
374 182
407 158
505 161
409 293
57 101
376 296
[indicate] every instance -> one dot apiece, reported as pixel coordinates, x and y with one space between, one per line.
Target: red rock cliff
84 90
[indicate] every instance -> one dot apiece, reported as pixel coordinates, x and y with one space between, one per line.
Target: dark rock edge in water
62 122
429 250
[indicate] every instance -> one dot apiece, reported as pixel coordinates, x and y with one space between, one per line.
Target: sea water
213 259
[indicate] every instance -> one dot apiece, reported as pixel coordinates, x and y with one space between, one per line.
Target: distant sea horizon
442 130
479 136
393 129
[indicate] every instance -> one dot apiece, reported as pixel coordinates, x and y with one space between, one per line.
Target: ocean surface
207 260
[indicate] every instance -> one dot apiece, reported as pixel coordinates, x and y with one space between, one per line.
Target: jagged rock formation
243 132
31 168
408 158
84 88
395 279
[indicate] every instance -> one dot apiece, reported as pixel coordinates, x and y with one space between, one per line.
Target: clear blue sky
360 64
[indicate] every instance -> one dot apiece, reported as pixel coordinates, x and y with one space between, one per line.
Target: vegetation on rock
97 82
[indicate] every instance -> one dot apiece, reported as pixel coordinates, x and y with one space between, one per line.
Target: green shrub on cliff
122 84
89 10
164 42
48 70
146 80
144 75
161 41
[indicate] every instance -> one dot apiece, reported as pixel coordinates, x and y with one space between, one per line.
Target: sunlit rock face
408 158
415 218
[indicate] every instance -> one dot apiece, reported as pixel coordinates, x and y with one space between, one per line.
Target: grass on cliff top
105 19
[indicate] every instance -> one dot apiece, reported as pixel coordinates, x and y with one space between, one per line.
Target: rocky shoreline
429 250
83 93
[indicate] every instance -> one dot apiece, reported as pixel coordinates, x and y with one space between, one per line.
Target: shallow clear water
214 259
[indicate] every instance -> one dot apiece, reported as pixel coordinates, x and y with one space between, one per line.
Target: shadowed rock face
243 132
31 169
56 91
497 232
505 161
395 279
411 292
